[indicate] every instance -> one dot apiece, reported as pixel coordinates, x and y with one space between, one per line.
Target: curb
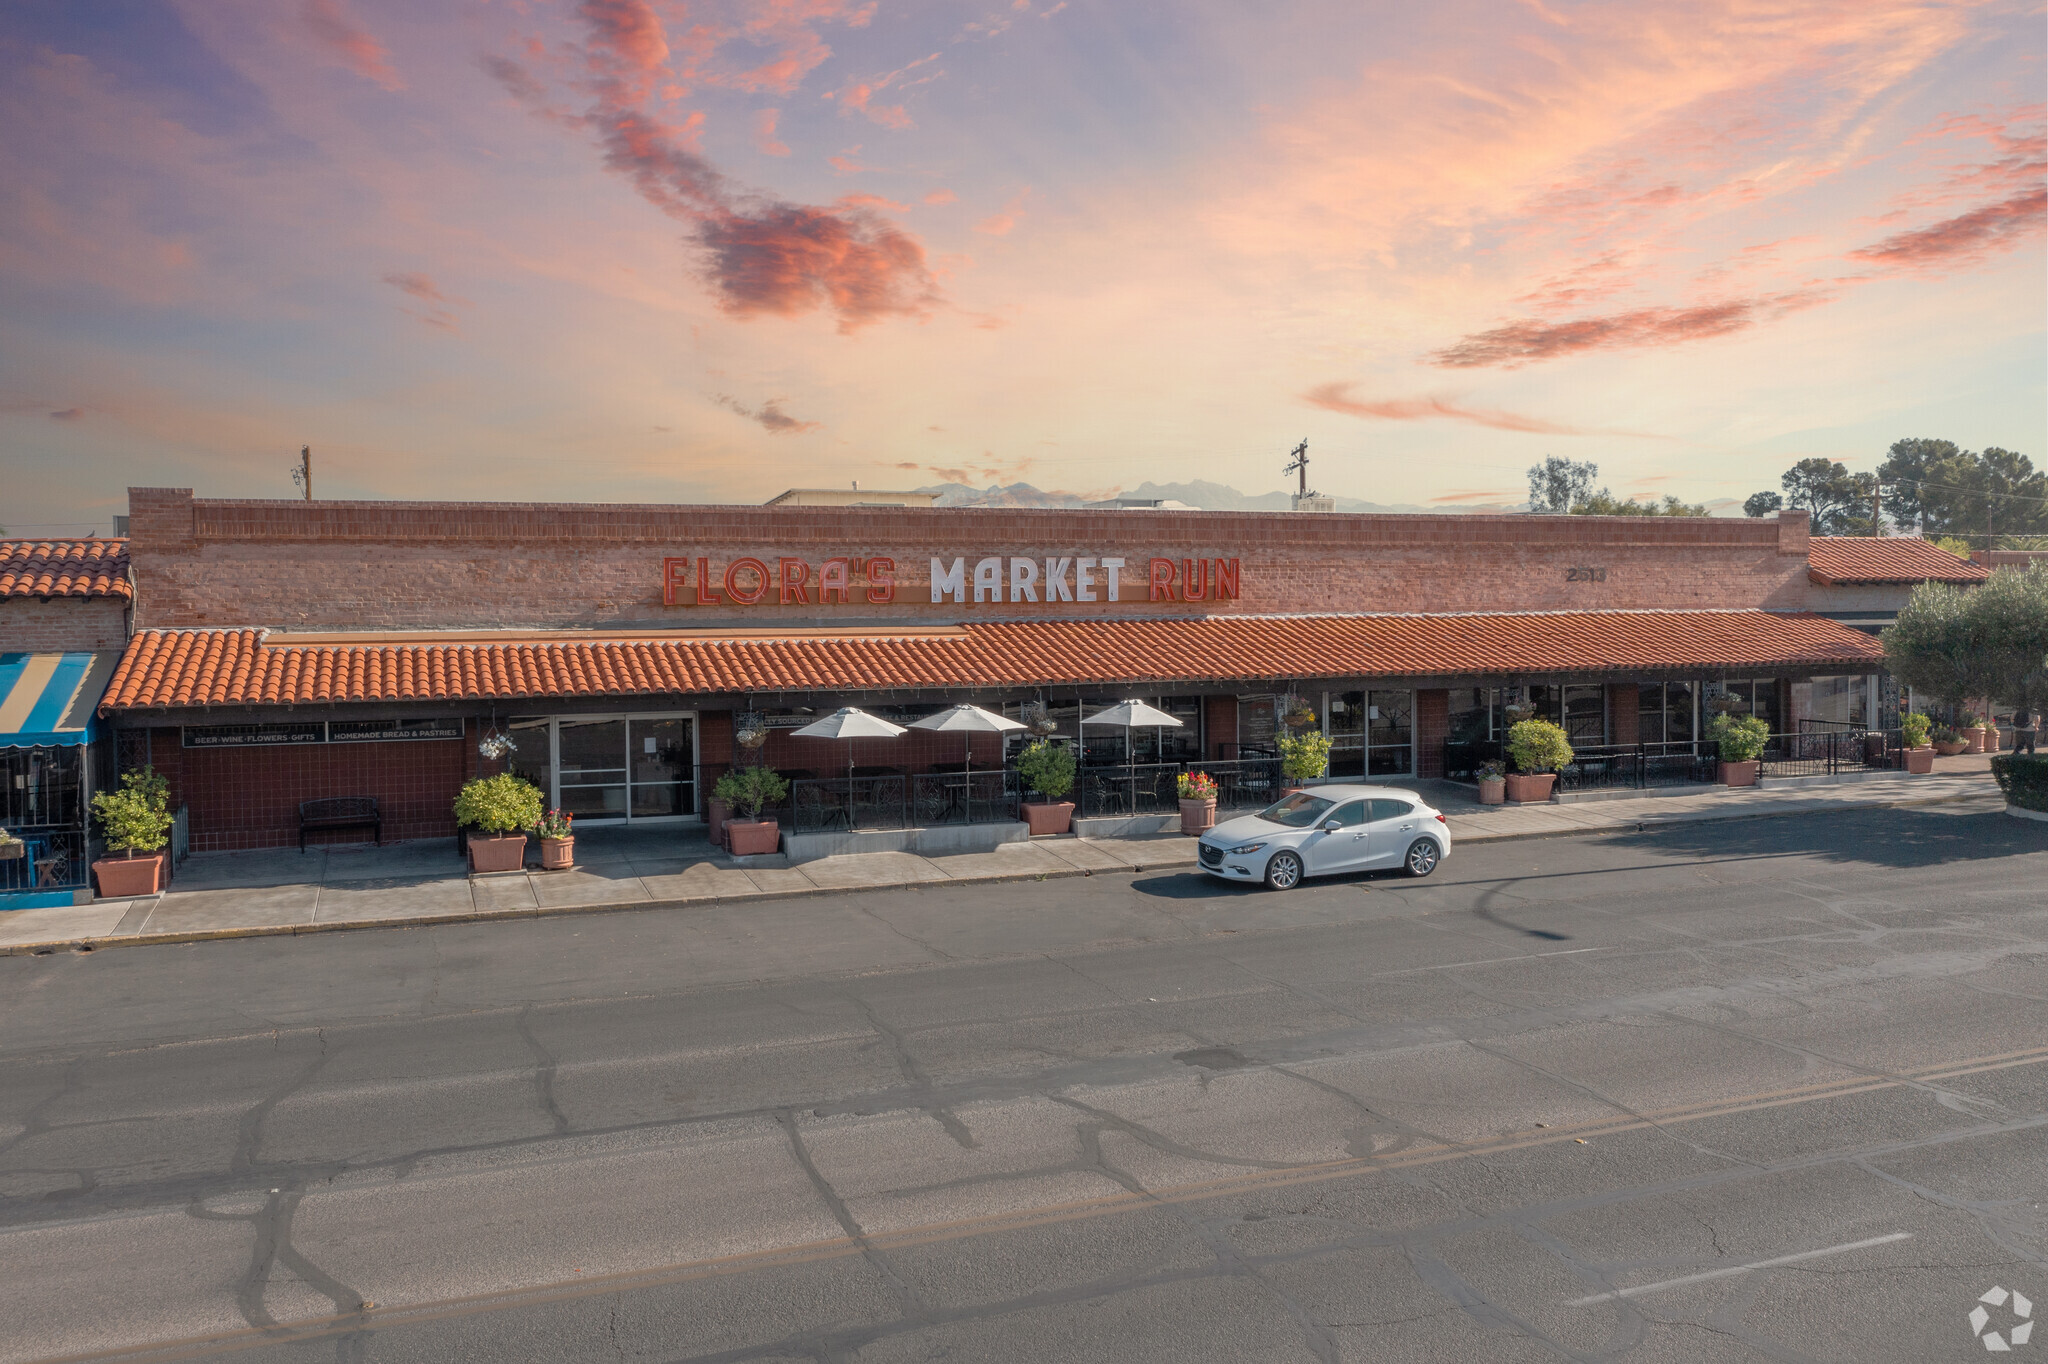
50 948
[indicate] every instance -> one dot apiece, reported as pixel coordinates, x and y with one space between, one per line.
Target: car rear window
1391 809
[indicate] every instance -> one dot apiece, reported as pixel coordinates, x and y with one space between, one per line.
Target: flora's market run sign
1004 579
319 732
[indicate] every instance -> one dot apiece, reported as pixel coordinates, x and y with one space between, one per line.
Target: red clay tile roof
1837 560
237 667
64 568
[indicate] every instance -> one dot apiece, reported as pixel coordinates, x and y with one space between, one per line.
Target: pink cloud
872 201
1337 397
625 34
765 140
770 415
1963 239
999 224
69 414
348 41
1532 340
941 196
437 309
857 98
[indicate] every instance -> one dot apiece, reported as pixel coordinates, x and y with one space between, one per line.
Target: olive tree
1989 641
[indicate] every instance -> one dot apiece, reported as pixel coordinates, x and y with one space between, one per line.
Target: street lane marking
839 1247
1733 1270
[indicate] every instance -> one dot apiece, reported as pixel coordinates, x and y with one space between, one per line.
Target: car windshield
1297 811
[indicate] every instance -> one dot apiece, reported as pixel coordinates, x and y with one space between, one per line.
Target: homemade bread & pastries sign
990 580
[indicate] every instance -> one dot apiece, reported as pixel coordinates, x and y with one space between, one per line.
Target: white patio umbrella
967 721
1130 715
850 723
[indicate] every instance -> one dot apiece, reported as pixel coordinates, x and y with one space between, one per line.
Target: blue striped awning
52 698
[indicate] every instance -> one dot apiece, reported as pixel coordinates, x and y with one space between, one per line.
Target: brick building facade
646 628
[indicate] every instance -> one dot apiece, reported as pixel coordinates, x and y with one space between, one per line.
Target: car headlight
1241 849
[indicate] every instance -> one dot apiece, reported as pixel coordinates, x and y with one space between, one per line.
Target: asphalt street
1768 1090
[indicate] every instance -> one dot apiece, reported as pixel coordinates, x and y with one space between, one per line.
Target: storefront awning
165 668
50 699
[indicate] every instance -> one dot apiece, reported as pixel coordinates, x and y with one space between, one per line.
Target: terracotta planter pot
557 854
1920 761
716 815
500 852
1740 774
1197 817
752 837
1949 750
1049 816
130 876
1528 787
1493 792
1987 740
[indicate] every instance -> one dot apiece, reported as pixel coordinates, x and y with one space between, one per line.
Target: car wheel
1423 855
1283 871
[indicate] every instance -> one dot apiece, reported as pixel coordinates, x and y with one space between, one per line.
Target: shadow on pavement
1898 838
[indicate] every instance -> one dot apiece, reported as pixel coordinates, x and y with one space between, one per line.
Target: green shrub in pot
1304 755
750 790
1914 729
1741 738
1538 746
1047 768
503 804
137 818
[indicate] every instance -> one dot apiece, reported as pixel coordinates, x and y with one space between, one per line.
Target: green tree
1838 500
1605 503
1557 485
1904 469
1763 504
1990 641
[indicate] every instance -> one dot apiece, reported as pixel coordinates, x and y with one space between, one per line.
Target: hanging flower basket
750 729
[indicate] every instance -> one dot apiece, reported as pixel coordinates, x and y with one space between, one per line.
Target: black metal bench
340 812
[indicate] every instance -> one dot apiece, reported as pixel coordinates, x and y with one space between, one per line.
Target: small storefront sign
320 732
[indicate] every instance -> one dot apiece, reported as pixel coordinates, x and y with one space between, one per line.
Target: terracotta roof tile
1838 560
237 667
64 568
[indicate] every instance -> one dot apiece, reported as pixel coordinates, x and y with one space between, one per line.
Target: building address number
1585 575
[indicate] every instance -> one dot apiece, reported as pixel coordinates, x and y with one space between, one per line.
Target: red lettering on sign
1224 576
834 576
761 580
793 593
1162 580
706 595
675 578
881 581
1194 579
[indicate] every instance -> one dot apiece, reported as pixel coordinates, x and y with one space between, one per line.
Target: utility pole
1297 463
302 477
1876 508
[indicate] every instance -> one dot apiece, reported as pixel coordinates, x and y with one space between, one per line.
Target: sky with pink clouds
703 250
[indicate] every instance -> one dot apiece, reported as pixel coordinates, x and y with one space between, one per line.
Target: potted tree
1913 732
557 840
137 820
1537 749
1493 783
1197 803
1304 756
1741 739
1948 742
1048 769
500 810
748 792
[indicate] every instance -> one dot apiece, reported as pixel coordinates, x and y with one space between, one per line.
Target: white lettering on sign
952 580
1112 566
1023 580
1056 580
1084 580
988 581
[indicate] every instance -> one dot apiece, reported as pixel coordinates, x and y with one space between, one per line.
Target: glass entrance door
590 764
610 767
662 752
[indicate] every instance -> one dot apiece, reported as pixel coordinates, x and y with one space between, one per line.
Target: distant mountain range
1200 493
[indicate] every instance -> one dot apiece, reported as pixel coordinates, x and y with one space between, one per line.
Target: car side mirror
1332 827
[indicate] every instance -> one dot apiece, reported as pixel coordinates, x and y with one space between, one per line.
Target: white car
1327 830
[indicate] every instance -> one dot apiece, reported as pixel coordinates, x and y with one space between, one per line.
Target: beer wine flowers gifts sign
1007 580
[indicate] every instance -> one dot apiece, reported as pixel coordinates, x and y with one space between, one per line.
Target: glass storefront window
609 767
591 756
1585 713
533 757
1390 733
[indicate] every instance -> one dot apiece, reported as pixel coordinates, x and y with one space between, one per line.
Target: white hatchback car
1326 830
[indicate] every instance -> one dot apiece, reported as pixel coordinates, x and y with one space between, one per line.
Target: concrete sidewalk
281 891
